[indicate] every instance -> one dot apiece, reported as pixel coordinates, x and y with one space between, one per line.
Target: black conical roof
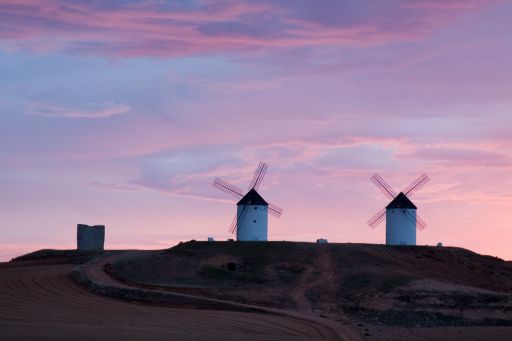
401 201
252 198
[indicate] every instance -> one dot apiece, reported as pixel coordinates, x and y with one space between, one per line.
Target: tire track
42 302
317 328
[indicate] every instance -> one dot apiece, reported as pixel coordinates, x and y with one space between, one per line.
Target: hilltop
383 285
259 291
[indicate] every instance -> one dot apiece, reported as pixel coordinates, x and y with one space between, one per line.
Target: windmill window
254 221
255 208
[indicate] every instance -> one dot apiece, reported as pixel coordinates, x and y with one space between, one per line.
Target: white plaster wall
400 229
254 225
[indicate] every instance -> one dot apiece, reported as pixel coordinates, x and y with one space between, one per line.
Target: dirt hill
401 286
41 301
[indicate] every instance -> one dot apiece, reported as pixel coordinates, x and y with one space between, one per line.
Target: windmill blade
232 227
228 188
420 223
411 218
261 176
255 176
258 176
383 186
274 210
239 218
377 219
416 185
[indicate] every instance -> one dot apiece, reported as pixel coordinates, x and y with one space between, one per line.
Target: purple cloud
149 28
91 112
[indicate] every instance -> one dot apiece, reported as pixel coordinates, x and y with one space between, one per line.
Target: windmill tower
251 220
402 219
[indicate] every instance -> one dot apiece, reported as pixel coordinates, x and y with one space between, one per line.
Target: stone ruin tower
90 238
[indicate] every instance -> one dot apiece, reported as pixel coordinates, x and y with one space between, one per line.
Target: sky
122 113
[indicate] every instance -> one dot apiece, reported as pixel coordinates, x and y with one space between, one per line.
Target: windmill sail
258 176
228 188
420 223
383 186
388 191
416 185
239 219
238 194
377 219
274 210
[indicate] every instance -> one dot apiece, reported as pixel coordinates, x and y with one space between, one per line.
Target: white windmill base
400 226
254 225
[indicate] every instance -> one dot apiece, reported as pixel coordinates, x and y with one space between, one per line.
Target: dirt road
42 302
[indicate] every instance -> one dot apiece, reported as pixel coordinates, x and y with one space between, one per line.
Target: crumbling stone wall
90 238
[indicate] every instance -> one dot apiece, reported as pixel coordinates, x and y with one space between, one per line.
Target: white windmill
401 217
251 220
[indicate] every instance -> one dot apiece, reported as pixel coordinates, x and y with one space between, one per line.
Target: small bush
212 272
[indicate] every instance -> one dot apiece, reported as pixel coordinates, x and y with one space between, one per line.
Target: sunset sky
122 113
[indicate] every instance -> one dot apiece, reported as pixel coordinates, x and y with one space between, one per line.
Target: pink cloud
228 87
151 28
479 154
159 172
448 4
97 111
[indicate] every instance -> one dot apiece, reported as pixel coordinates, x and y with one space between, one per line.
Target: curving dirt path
42 302
326 329
324 266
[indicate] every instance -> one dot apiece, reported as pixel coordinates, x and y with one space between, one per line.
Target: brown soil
291 290
377 285
41 302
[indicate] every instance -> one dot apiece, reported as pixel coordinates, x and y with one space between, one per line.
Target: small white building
252 217
90 238
401 221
